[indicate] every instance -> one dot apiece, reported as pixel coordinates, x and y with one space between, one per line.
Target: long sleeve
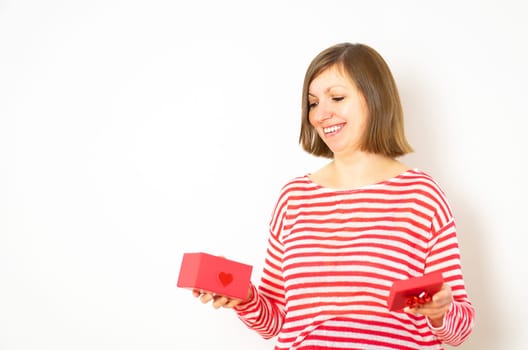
265 313
445 257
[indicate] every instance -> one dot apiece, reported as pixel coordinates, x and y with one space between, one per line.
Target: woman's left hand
436 308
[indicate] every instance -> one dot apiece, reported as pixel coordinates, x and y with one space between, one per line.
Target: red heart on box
225 278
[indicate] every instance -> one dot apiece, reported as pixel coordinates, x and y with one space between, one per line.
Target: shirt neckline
361 188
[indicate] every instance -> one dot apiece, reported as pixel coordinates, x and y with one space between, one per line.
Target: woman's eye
312 105
337 99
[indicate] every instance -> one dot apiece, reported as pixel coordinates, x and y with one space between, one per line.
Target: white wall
134 131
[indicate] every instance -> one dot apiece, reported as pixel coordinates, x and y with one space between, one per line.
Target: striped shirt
334 254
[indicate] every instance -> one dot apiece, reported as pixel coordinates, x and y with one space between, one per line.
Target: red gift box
215 274
415 290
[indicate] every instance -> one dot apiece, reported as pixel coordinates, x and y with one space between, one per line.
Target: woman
339 237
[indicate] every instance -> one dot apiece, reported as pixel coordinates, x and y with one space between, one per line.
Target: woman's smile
332 130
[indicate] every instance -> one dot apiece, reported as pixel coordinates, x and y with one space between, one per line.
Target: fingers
232 303
204 296
218 301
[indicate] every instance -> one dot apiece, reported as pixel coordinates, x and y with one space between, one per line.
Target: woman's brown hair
368 70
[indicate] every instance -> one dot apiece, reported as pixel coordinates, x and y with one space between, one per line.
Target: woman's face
338 111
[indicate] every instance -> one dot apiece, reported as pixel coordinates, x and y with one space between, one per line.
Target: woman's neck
358 170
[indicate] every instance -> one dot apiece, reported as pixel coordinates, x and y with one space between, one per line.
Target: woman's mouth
331 130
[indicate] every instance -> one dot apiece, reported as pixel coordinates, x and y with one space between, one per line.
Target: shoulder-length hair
368 70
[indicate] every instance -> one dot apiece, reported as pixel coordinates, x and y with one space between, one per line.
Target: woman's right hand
219 301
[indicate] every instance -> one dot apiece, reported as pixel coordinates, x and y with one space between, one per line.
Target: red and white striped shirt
334 254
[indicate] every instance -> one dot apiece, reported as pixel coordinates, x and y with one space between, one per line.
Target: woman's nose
323 111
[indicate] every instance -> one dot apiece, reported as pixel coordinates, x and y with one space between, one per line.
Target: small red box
215 274
402 290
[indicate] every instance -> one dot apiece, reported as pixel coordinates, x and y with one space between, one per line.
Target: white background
134 131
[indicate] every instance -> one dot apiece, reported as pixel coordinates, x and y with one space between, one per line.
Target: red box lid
402 290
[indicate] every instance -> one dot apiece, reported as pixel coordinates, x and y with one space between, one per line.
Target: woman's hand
219 300
436 308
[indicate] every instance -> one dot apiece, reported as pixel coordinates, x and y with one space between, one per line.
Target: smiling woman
132 132
340 237
365 75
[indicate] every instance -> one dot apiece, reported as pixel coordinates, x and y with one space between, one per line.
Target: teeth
331 129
